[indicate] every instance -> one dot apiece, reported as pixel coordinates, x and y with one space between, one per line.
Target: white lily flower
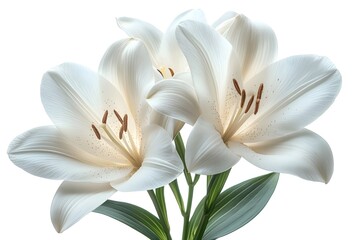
104 139
165 53
167 58
243 105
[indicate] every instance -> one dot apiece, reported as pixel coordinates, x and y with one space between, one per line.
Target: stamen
118 117
125 122
249 104
243 97
96 131
104 119
121 132
257 105
236 85
260 90
171 72
160 72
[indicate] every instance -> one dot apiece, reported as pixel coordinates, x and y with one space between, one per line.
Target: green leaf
135 217
176 191
201 219
239 204
196 219
215 187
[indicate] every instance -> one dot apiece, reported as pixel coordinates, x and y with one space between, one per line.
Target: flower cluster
114 129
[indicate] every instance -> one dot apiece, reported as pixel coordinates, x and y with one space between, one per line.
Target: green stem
188 210
161 213
161 201
180 148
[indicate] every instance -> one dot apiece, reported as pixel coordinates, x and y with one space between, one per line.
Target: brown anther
118 117
96 131
249 103
121 132
105 116
236 85
171 72
160 72
125 122
260 90
243 97
257 105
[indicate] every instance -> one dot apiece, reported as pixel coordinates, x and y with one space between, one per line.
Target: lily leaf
135 217
215 187
239 204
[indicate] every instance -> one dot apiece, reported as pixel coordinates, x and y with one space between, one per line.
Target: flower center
166 72
122 141
242 111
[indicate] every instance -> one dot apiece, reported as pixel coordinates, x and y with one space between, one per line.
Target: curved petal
44 152
297 90
144 31
171 125
254 43
224 18
206 152
208 55
161 164
176 99
127 65
304 154
76 98
170 53
73 201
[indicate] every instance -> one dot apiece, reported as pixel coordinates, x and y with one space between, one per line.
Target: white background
37 35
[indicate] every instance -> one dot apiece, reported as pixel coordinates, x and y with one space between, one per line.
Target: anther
260 90
125 122
121 132
171 72
160 72
236 85
105 116
96 131
249 104
118 117
243 97
257 105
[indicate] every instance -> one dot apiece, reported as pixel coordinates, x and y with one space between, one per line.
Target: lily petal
297 90
148 33
208 55
161 163
44 152
176 99
127 65
254 43
73 201
75 98
304 154
224 18
206 152
170 53
171 125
